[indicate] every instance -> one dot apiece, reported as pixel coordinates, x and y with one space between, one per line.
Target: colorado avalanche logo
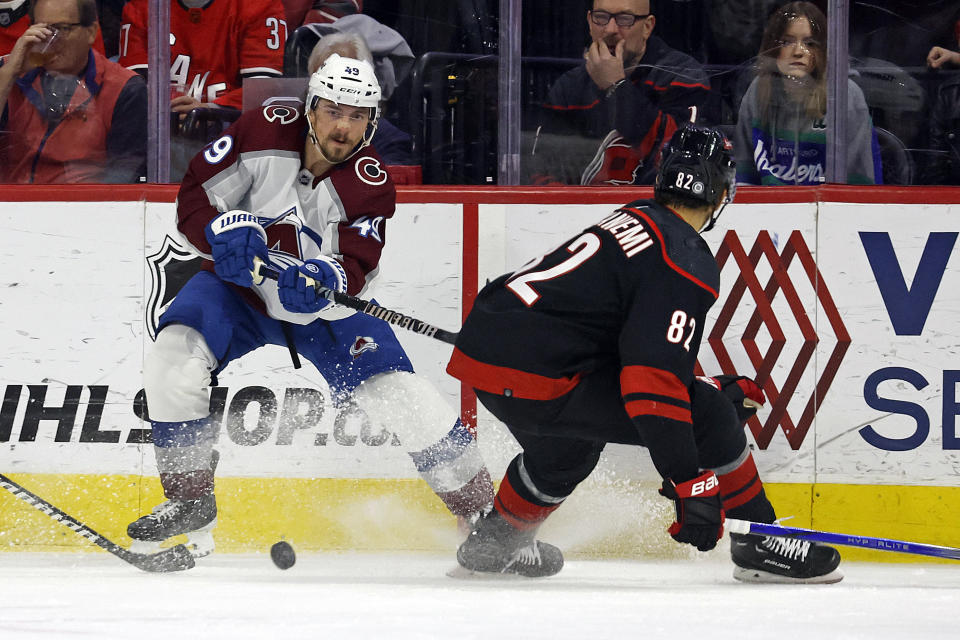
170 268
369 170
284 113
361 345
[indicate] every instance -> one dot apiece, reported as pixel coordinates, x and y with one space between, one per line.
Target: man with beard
605 122
300 192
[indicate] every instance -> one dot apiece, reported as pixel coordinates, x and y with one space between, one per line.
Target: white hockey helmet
345 81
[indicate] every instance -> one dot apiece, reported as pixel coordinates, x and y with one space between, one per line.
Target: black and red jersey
631 291
591 138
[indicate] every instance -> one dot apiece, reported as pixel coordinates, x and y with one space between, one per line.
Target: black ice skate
495 546
193 518
783 560
466 524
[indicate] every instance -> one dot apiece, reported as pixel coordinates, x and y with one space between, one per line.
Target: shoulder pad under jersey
681 247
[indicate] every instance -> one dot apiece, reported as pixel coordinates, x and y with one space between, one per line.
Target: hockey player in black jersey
596 342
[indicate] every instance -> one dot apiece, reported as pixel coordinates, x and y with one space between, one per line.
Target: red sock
740 486
522 512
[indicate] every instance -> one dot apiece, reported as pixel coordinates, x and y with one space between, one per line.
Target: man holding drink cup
70 114
14 21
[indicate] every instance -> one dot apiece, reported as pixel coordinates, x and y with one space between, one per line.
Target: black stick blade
176 558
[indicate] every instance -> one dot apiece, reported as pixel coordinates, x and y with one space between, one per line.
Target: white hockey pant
443 450
176 380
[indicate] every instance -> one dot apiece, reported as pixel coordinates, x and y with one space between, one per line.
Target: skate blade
462 573
146 547
200 543
199 546
756 576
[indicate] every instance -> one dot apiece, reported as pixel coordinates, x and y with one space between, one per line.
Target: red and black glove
699 510
745 394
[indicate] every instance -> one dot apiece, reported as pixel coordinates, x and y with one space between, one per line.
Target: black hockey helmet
696 167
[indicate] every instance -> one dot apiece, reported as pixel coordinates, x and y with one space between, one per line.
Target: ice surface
408 596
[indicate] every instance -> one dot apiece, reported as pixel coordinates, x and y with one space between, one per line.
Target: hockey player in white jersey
303 192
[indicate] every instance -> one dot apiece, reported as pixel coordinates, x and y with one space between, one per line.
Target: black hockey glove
745 394
699 510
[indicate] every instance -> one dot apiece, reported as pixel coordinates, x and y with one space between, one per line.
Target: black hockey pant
562 439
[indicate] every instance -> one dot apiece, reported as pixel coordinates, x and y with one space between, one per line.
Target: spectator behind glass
72 115
319 11
14 21
781 130
945 116
393 145
216 44
940 57
605 121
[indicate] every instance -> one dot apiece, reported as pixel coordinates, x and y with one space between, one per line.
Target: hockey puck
282 555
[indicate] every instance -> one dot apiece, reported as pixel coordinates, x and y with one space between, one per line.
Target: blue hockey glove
295 285
699 510
236 238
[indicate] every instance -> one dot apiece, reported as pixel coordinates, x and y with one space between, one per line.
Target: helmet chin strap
712 220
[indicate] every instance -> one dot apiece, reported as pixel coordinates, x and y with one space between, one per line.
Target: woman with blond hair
781 130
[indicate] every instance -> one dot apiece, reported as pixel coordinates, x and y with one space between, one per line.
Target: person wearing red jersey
215 44
70 114
302 193
14 21
624 304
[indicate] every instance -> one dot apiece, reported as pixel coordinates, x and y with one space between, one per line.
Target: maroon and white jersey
257 166
214 48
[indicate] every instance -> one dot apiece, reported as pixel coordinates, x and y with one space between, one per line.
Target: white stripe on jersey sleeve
259 71
226 189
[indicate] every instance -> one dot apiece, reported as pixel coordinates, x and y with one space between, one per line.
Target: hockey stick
262 271
175 558
867 542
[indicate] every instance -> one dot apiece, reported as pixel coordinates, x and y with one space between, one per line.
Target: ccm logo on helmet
369 170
